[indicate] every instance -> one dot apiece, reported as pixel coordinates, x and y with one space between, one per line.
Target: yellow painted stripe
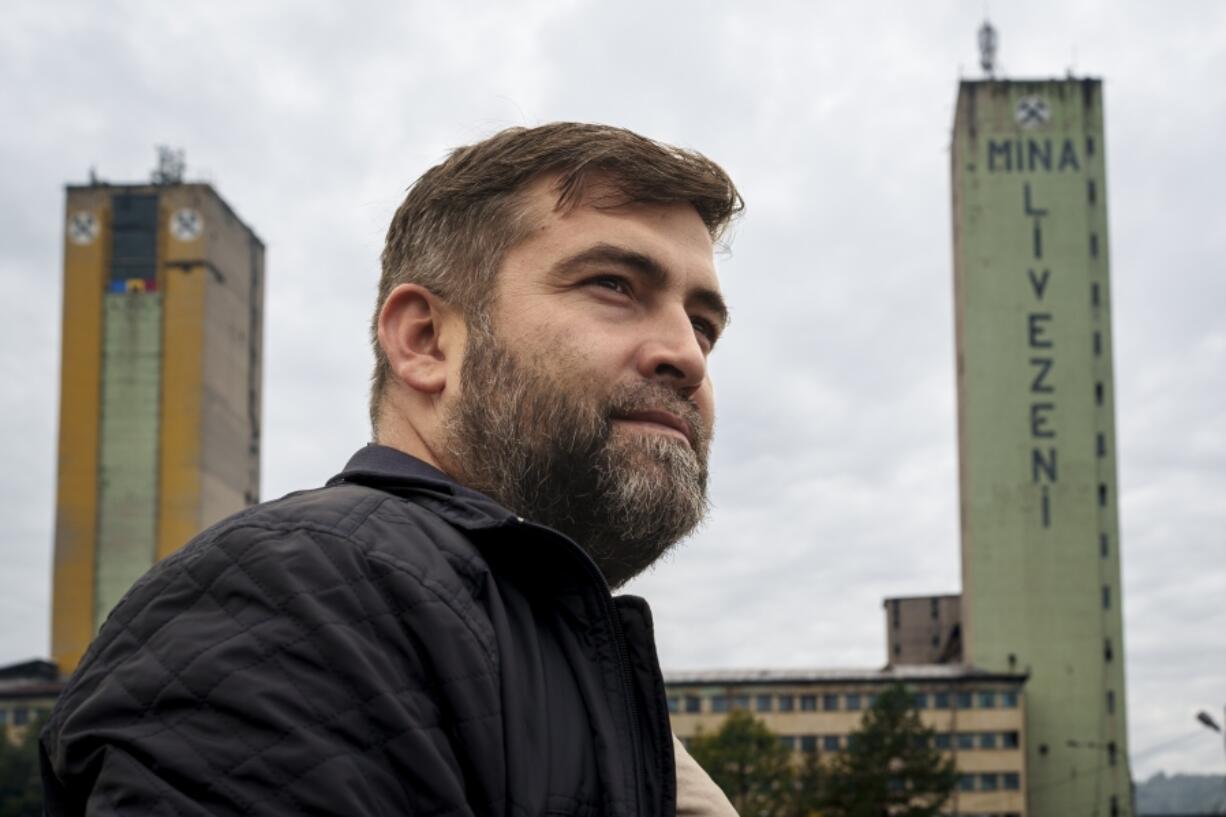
182 383
72 625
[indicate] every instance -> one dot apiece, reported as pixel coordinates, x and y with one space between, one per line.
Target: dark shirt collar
389 469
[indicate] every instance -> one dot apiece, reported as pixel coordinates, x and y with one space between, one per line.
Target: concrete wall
86 257
1041 588
128 446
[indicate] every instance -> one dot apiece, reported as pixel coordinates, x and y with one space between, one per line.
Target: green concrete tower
1036 428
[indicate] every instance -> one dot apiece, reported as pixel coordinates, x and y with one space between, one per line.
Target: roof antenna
987 49
170 167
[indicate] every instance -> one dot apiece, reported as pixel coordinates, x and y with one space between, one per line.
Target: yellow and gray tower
160 387
1040 533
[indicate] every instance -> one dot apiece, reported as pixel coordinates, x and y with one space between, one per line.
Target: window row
990 781
21 715
831 702
940 740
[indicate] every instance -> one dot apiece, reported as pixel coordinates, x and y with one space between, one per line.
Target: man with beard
433 632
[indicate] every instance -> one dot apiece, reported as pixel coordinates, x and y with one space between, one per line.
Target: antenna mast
987 49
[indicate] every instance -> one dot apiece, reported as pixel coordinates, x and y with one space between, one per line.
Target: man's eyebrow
651 270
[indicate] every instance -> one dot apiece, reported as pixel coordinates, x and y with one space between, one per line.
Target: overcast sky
835 460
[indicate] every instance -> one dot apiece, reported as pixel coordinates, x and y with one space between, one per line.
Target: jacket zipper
619 647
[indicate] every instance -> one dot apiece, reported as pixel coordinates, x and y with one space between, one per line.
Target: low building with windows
977 717
28 691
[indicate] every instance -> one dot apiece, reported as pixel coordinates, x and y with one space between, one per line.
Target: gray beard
545 448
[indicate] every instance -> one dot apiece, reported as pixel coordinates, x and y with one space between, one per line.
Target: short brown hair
462 216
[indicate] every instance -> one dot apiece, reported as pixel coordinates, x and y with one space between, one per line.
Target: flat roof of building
957 673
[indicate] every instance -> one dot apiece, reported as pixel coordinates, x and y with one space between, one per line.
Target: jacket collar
394 471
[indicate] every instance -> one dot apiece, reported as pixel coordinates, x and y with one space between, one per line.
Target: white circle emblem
83 227
186 224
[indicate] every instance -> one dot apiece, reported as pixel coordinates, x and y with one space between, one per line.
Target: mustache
656 397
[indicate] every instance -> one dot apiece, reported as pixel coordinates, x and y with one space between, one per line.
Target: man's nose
672 355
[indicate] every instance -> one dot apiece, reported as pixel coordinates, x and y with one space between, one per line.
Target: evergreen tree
749 763
20 784
889 767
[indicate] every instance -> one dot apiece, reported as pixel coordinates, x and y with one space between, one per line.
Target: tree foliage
756 771
20 784
890 766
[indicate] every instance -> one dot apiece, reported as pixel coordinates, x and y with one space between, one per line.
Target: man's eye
611 282
705 328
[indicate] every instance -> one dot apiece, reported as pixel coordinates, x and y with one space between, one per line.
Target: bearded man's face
588 407
541 441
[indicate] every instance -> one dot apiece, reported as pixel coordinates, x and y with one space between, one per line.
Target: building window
674 704
940 700
1098 393
987 740
852 740
1009 739
966 740
786 703
1011 780
1106 597
1104 545
808 703
1100 445
808 743
989 782
853 702
1094 296
987 700
895 614
719 703
963 700
933 608
830 743
941 740
1110 702
1089 146
1115 806
740 702
1102 494
1008 700
763 703
1111 753
693 703
1091 191
921 700
897 649
966 782
872 699
788 742
1108 653
830 702
1098 343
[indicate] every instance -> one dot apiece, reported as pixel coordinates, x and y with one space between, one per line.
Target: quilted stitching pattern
276 653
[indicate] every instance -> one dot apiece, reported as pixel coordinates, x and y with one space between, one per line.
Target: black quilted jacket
392 644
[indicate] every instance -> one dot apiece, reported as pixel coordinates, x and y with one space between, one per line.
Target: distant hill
1182 794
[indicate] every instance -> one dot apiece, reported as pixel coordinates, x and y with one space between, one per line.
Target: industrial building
159 432
977 717
1041 587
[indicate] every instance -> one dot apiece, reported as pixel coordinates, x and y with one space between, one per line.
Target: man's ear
414 330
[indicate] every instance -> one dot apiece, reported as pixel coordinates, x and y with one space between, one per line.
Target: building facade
1040 534
979 718
924 629
28 691
160 388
